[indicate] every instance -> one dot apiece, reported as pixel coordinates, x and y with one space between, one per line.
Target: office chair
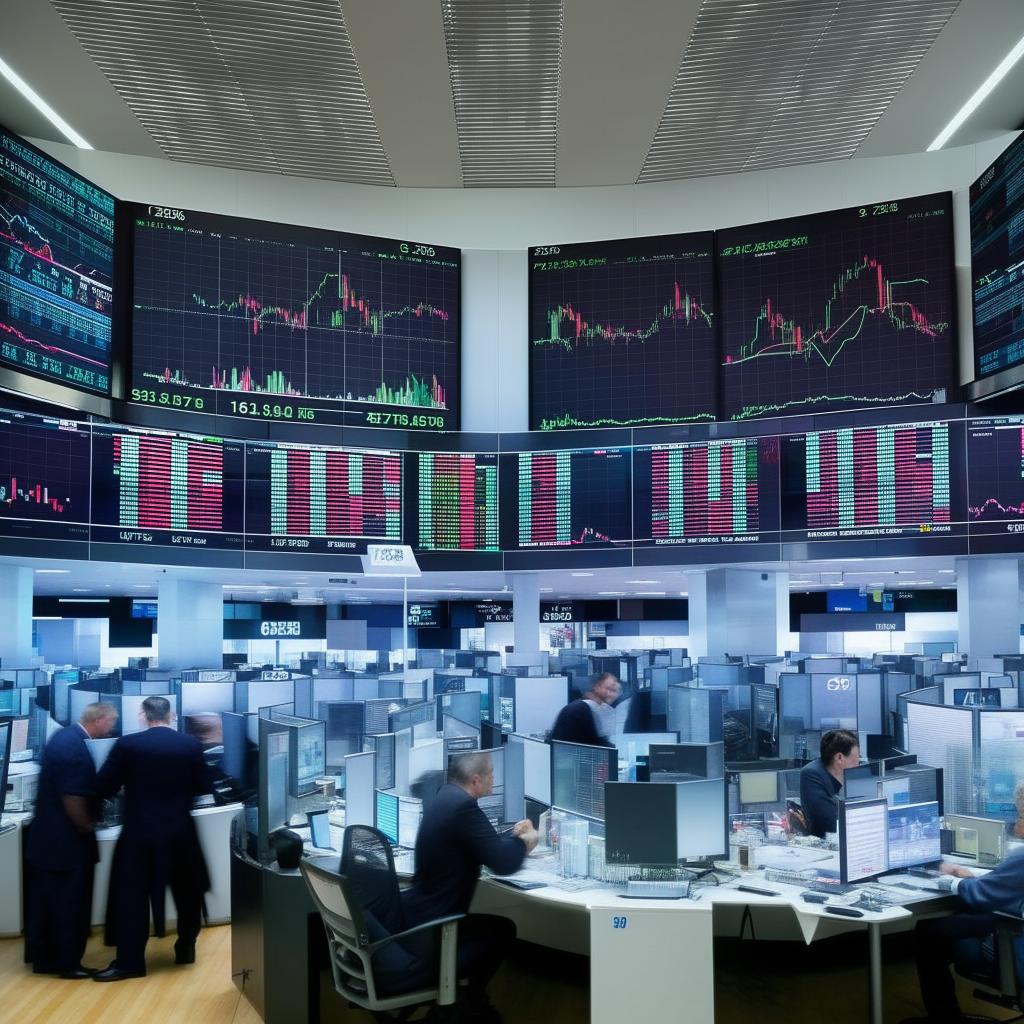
1006 990
377 971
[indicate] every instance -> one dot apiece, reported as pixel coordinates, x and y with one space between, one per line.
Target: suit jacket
1002 889
162 772
818 791
575 724
454 840
54 844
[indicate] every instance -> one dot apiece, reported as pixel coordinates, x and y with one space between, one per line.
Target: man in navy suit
162 772
590 719
61 848
966 939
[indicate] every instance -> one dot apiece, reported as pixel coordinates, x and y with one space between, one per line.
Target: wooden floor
755 982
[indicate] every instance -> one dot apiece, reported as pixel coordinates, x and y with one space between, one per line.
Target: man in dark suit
822 779
590 719
966 939
454 840
162 772
61 848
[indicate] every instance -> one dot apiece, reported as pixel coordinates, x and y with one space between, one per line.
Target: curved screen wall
910 485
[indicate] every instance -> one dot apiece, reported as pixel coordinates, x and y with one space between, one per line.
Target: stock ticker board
56 270
276 322
44 480
995 488
997 263
622 333
455 498
848 309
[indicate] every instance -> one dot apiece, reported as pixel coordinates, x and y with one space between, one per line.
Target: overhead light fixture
643 581
611 593
948 572
1000 72
83 600
42 106
51 572
650 593
581 574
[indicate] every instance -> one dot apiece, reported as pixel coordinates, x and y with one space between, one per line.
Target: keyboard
789 876
639 889
831 886
574 884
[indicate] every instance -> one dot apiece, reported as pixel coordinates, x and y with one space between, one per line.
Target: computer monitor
19 736
863 834
914 837
578 775
702 819
860 783
320 829
705 760
491 735
536 768
975 697
640 824
895 788
464 706
759 787
360 788
976 837
386 815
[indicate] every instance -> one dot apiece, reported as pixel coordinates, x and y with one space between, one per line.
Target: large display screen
997 262
891 483
163 489
44 483
622 333
276 322
995 490
311 499
689 498
453 500
56 270
849 309
573 502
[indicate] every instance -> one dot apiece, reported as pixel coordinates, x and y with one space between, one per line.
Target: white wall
501 223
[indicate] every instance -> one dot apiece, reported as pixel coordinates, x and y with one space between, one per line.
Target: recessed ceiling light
611 593
580 574
643 581
546 590
80 590
948 572
51 572
975 101
42 106
650 593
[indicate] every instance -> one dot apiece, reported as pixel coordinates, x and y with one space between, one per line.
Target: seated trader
966 939
61 848
822 779
454 840
590 719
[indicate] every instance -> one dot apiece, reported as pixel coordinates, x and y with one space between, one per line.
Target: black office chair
387 974
1005 990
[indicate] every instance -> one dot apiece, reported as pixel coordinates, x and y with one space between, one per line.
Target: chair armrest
425 927
1008 928
1012 923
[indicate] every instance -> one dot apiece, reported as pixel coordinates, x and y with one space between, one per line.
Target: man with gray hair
454 840
61 848
162 772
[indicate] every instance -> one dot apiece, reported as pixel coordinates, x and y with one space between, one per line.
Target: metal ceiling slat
251 84
504 60
770 83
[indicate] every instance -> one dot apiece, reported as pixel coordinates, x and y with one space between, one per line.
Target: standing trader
590 719
61 848
162 772
454 840
821 780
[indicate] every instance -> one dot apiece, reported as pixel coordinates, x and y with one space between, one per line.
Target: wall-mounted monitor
622 333
997 252
849 309
278 322
57 286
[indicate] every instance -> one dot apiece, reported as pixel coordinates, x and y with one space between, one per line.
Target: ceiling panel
770 83
251 84
504 58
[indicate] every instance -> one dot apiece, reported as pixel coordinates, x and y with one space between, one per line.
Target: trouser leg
940 942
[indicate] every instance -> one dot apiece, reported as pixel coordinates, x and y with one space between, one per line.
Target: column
16 616
190 623
737 611
988 601
526 615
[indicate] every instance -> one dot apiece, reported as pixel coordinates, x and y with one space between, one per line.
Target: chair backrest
341 914
369 868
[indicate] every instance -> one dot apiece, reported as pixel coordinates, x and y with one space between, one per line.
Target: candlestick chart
622 333
56 270
849 309
278 322
44 478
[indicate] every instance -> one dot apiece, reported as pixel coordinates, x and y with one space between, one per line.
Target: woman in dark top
821 780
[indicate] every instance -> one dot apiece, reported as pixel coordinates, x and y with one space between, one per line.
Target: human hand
522 826
530 837
956 870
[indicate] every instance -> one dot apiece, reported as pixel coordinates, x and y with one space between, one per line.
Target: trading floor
511 510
